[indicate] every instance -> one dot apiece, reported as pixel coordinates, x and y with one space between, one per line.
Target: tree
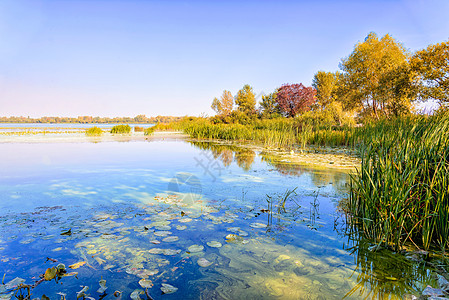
269 106
295 98
246 100
371 65
216 105
325 84
224 105
432 66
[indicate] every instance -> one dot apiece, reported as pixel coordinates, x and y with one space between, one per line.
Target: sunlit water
133 210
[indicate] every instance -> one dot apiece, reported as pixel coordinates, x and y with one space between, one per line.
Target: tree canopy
367 74
269 106
325 84
432 67
295 98
224 105
246 100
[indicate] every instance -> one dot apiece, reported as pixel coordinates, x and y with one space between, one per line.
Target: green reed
401 192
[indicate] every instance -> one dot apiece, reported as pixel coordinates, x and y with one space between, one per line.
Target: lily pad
171 251
185 220
168 288
257 225
165 227
156 250
214 244
50 273
145 283
181 227
202 262
171 239
77 265
233 238
195 248
233 229
162 233
135 295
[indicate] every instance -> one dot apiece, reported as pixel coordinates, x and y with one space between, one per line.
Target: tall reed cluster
277 132
401 192
121 129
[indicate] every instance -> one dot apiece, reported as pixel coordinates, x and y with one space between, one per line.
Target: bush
149 130
121 129
138 129
94 131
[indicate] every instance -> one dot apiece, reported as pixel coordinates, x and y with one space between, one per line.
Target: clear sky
129 57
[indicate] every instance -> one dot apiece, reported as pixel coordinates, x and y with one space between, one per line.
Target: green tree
373 64
246 100
269 107
216 105
325 84
224 105
432 67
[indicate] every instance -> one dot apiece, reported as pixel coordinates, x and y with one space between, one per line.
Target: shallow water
134 210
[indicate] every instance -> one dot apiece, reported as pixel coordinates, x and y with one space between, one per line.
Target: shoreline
81 137
326 158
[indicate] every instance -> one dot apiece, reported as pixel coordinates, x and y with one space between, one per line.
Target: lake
195 219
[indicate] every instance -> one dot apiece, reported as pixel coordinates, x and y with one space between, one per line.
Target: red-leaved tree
295 98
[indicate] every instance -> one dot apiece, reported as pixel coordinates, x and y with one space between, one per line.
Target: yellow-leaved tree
224 105
432 66
377 79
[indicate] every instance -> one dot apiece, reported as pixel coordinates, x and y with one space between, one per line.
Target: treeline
140 119
379 79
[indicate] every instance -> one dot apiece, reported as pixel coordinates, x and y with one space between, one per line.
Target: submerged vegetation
94 131
121 129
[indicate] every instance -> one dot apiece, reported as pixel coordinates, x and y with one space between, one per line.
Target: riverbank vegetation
94 131
121 129
400 194
149 130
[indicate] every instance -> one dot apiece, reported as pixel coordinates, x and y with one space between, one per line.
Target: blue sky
129 57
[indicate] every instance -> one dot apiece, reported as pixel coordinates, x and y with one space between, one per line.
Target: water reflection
264 242
243 157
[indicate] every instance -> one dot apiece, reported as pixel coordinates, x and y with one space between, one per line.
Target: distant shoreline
80 137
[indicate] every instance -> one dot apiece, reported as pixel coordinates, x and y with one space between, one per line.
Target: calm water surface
134 210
